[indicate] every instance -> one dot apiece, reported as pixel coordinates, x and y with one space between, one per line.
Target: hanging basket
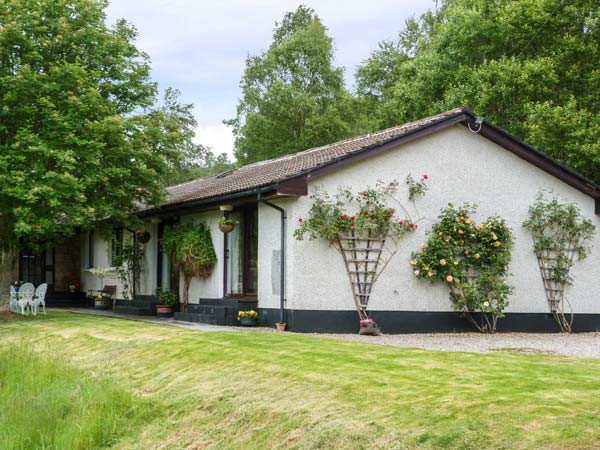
143 237
226 228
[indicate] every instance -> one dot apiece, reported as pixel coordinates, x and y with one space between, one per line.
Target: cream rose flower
413 262
449 278
443 262
417 272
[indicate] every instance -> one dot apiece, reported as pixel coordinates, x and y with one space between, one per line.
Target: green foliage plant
561 237
191 250
293 97
167 297
83 135
472 260
528 66
129 265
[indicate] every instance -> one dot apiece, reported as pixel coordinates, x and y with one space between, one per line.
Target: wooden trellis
364 262
550 261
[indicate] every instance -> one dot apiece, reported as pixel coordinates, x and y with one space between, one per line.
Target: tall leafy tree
81 139
293 97
530 66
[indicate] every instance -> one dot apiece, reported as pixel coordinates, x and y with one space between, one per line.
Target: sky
200 46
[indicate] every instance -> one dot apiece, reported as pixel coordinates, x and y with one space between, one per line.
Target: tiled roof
269 172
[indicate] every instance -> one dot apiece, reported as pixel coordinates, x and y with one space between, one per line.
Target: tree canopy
81 136
293 97
530 67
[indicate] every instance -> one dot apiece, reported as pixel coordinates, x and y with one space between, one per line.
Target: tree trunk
9 272
187 280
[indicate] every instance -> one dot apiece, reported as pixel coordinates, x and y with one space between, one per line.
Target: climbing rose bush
365 212
472 260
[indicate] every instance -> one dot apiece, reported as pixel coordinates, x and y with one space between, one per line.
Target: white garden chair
12 306
25 298
39 299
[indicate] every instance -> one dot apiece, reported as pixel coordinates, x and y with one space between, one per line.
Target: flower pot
226 228
280 326
248 321
369 328
102 304
164 311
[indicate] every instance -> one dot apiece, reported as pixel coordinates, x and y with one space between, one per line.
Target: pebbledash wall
102 253
463 167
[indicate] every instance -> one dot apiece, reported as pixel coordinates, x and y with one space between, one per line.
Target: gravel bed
586 345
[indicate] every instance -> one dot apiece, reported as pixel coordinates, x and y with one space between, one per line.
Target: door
37 268
241 268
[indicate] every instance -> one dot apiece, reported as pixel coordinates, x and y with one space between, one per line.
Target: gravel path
586 345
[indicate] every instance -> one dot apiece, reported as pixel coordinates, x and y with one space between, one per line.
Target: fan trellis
553 261
363 259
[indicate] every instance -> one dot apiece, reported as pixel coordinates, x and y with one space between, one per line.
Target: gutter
282 299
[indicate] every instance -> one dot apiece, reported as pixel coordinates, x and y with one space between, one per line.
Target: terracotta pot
226 228
280 326
164 311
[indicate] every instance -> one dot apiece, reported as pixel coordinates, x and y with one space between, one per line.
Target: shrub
560 236
473 262
191 250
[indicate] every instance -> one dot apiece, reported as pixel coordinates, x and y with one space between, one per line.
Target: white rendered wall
102 259
463 167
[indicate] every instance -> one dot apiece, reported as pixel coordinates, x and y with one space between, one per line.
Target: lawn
163 387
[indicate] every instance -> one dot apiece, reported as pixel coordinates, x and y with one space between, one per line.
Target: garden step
199 318
133 310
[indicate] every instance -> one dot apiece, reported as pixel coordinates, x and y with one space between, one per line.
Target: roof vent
224 174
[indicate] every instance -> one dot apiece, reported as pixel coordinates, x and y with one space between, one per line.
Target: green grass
47 404
269 390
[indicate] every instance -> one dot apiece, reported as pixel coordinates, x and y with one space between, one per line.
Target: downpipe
282 299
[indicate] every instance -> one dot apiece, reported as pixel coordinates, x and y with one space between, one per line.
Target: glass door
241 268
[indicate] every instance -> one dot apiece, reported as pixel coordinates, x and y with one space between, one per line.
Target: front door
241 268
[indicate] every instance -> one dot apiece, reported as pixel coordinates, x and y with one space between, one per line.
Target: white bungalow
261 264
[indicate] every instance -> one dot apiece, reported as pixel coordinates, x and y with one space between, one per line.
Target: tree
528 66
81 139
292 96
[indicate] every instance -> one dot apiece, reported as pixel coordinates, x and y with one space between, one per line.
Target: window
116 245
90 249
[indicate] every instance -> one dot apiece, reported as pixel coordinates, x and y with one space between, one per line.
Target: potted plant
167 301
369 327
226 225
102 302
72 282
248 318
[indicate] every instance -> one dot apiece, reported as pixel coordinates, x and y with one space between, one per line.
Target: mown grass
46 404
269 390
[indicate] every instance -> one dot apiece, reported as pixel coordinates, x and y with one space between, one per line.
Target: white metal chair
39 299
12 306
25 298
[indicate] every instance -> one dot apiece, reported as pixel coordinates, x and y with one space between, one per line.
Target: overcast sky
200 46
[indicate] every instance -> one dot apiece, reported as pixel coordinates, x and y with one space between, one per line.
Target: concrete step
134 310
198 318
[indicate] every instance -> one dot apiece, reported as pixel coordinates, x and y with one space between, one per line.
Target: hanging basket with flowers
226 225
